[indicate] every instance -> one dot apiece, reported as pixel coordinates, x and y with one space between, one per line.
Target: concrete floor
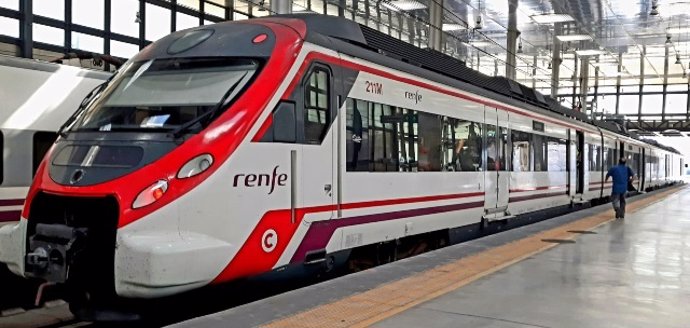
631 273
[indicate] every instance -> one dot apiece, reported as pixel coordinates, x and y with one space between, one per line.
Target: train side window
521 151
43 140
556 158
357 135
317 116
384 126
462 145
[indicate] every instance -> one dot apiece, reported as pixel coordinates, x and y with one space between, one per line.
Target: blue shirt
621 175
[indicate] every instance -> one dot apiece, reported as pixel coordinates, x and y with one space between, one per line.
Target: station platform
583 269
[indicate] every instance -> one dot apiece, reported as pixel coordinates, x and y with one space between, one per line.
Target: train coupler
52 250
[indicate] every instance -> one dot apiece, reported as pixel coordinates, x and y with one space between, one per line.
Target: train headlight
195 166
151 194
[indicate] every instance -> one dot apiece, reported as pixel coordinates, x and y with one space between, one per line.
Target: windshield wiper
208 115
62 132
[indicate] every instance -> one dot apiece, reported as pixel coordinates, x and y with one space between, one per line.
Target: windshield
166 94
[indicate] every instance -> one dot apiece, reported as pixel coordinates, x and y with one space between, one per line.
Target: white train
244 148
35 99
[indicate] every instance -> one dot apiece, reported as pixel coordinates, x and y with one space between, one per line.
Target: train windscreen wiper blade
208 115
62 132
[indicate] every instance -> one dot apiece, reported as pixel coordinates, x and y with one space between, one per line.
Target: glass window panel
239 16
9 27
50 8
629 88
676 87
193 4
10 4
628 104
184 21
242 7
88 13
123 17
123 49
208 22
653 88
157 22
676 103
87 42
651 104
606 104
606 89
48 34
214 10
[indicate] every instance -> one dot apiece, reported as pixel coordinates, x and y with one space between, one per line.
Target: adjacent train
243 148
37 97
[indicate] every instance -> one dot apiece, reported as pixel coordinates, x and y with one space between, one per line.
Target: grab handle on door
293 185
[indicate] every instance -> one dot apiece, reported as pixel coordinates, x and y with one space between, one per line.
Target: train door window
357 135
495 148
540 152
503 144
462 145
317 116
556 158
2 152
429 141
41 143
521 151
407 141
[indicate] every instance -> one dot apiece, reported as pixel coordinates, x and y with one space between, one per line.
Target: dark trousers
618 201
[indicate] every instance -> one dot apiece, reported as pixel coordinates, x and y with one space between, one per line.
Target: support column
555 61
584 82
26 29
534 72
281 7
513 33
435 25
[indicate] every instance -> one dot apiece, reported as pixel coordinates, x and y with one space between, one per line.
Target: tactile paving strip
387 300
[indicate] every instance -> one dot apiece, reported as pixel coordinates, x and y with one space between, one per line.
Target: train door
644 169
315 180
496 177
580 162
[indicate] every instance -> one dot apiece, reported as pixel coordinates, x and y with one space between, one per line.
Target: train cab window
41 143
462 145
317 115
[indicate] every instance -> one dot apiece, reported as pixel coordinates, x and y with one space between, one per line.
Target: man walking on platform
621 175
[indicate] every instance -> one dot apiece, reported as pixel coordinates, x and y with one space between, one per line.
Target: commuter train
248 148
37 97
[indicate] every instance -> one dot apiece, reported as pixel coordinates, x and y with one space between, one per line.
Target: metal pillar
534 72
435 24
584 82
281 7
26 29
512 39
556 60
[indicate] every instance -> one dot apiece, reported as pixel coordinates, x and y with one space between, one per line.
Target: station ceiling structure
623 59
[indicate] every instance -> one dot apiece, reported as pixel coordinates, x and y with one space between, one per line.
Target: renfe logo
416 96
261 180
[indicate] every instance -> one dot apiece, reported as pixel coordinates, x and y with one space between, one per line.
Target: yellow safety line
367 308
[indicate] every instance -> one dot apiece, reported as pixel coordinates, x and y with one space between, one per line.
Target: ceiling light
479 25
678 59
404 5
519 49
668 39
446 27
552 18
573 37
655 8
550 66
590 52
